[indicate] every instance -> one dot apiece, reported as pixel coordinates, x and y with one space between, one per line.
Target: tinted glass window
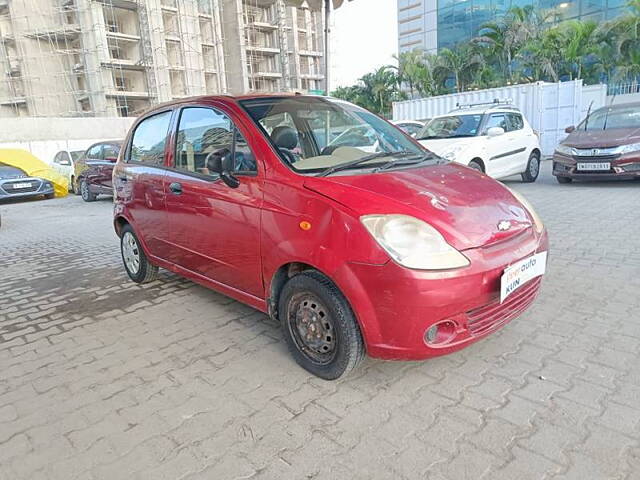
203 133
149 140
245 161
94 152
515 121
496 120
111 151
451 127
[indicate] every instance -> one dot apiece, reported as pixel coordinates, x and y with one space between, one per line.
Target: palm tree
409 69
381 88
460 63
580 42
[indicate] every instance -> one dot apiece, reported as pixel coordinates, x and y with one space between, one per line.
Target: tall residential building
434 24
118 57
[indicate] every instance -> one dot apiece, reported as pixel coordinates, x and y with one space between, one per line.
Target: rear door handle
123 178
176 188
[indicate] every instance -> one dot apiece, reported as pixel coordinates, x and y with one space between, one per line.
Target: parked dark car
94 170
15 183
605 145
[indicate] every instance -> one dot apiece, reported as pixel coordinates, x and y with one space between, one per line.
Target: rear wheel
319 326
49 196
564 179
135 261
86 193
533 168
476 165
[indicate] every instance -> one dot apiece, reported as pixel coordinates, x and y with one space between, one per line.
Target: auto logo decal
504 225
595 152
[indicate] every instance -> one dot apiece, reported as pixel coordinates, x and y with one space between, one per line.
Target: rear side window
149 139
515 121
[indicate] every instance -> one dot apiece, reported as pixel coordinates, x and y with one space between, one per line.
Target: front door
214 229
502 150
109 157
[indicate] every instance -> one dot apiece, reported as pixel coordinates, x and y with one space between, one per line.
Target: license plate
594 166
518 274
21 185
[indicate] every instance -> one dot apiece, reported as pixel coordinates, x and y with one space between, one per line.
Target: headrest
285 137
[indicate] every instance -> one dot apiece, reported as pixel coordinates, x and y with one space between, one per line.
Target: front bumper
396 306
621 168
37 187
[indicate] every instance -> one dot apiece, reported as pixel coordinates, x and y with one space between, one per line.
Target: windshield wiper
358 161
401 163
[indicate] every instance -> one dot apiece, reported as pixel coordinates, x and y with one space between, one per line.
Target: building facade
118 57
434 24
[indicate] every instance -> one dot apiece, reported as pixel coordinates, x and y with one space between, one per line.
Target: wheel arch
479 161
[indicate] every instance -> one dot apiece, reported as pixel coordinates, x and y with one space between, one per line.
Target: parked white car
64 163
494 138
411 127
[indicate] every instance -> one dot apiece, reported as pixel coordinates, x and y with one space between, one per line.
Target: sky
364 37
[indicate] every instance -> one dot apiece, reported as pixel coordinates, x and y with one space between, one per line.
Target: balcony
62 33
263 49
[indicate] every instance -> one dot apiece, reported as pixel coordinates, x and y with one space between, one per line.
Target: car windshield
610 118
324 135
7 171
451 126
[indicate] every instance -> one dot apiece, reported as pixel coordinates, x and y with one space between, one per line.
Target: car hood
442 146
602 138
464 205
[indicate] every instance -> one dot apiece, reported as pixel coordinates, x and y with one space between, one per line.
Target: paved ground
104 379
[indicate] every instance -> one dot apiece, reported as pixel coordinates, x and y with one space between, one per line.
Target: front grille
494 314
10 187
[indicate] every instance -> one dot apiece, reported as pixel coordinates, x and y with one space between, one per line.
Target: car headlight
632 147
413 243
565 150
525 203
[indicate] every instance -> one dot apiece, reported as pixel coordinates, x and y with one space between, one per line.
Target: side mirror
215 162
570 129
111 159
495 131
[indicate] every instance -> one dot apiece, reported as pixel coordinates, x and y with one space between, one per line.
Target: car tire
320 328
136 263
85 192
564 180
476 166
533 168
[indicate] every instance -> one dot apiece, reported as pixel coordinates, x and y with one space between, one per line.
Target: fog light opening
440 333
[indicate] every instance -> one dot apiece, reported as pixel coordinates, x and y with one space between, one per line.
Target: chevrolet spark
358 243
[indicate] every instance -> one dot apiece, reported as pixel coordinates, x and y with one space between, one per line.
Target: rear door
522 139
110 153
215 229
141 179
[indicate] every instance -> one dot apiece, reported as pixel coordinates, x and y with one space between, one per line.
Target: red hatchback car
331 220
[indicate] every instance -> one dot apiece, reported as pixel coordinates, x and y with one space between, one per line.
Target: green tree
580 40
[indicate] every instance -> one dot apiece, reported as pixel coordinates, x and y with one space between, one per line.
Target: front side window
316 134
496 120
205 135
453 126
94 152
149 140
111 151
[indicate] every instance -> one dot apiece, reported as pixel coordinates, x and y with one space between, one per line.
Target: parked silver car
15 183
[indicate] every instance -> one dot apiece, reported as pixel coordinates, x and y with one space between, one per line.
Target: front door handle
176 188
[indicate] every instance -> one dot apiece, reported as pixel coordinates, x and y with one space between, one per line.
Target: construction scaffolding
118 57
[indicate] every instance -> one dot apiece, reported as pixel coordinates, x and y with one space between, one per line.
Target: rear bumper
396 306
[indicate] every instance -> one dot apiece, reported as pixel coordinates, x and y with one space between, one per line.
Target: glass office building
434 24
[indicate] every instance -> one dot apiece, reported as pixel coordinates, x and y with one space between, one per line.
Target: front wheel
564 179
533 168
138 267
85 192
319 327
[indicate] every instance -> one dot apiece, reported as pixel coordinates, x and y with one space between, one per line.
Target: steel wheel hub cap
312 328
131 253
533 167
